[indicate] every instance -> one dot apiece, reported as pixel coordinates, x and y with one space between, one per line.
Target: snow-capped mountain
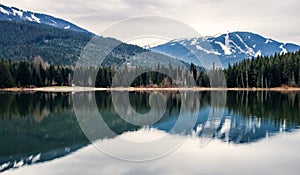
15 14
229 48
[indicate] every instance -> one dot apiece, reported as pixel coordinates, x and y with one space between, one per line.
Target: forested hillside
20 41
40 55
24 41
265 72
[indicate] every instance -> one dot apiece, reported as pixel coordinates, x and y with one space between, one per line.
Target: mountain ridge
26 35
230 47
16 14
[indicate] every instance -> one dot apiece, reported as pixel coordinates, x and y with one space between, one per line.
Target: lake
208 132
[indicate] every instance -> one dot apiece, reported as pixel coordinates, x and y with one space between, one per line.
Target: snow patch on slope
36 158
4 11
3 166
257 54
54 22
227 41
67 27
194 42
283 50
29 19
225 48
249 50
268 41
238 47
17 12
36 19
207 51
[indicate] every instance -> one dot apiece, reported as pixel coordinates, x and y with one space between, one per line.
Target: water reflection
42 126
256 115
37 127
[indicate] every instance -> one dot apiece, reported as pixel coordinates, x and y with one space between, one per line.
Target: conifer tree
6 80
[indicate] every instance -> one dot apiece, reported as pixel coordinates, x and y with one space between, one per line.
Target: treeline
37 73
265 72
261 72
159 76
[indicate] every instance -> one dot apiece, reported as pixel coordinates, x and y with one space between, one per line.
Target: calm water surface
243 133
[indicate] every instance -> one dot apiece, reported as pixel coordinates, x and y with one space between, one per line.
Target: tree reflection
33 123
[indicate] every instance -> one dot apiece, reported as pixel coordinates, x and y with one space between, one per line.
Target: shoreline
130 89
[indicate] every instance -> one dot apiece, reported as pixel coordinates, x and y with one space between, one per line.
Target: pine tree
51 75
43 75
292 82
24 74
6 80
36 77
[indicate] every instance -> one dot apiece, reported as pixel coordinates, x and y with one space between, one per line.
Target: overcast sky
275 19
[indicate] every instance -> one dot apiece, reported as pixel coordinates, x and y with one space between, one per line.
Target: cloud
275 19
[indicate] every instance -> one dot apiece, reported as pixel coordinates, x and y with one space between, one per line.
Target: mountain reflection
37 127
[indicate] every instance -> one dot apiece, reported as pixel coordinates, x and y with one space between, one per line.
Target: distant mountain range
15 14
26 34
229 48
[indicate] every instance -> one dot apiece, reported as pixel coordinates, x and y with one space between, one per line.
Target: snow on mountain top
15 14
269 41
230 47
2 10
194 41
